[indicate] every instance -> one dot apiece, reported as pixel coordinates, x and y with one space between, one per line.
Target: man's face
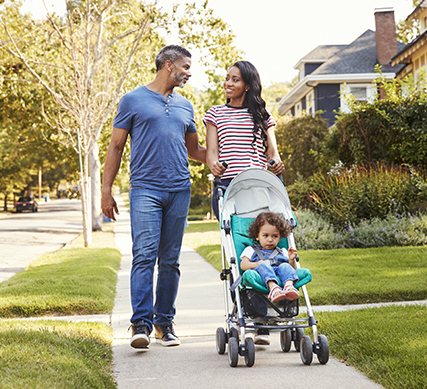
181 71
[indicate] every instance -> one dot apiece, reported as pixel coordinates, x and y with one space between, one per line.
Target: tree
408 30
92 51
299 141
98 51
392 130
27 143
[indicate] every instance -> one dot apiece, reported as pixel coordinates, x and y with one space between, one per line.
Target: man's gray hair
170 53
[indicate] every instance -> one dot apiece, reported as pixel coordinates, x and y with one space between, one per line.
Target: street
26 236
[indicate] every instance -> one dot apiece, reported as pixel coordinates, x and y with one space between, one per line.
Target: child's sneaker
290 293
276 294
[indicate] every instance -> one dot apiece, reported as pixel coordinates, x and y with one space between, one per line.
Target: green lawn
55 354
58 354
74 280
388 344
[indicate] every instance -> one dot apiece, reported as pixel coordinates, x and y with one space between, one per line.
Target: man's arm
111 167
195 150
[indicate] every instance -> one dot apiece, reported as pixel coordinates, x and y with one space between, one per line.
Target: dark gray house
330 72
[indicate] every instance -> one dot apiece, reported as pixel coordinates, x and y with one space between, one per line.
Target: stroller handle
279 176
217 180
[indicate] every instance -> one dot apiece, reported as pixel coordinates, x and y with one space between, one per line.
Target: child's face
268 236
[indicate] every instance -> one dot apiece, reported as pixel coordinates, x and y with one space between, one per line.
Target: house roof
409 49
352 63
360 56
320 54
412 15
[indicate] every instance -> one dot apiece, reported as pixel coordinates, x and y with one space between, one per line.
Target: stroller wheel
298 334
285 340
322 350
235 334
233 351
220 340
250 352
306 350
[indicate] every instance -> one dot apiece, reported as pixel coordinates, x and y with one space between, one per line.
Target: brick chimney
385 35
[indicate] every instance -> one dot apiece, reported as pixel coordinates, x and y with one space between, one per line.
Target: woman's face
234 86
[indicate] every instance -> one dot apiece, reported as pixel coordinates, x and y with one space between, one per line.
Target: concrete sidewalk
196 364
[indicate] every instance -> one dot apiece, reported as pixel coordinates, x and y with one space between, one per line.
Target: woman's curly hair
271 218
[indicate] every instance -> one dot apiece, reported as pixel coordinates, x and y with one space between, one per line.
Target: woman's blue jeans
158 221
284 271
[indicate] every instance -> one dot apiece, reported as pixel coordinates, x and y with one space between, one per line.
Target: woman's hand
277 167
217 169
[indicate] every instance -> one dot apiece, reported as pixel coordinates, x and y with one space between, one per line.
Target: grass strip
342 276
387 344
73 280
55 354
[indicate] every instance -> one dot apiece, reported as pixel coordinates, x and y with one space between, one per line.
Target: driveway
26 236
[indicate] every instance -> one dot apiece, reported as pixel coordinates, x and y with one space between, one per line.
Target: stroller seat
250 278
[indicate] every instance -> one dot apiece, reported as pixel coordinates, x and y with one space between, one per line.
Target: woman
240 132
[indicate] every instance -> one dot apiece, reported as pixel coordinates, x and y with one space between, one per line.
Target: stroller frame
238 323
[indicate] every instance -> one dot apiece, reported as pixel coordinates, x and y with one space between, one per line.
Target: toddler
270 261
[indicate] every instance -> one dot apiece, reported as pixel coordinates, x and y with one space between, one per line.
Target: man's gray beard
181 79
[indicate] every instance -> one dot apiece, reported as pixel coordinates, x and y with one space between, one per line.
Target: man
163 134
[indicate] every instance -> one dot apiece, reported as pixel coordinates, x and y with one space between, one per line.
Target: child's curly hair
271 218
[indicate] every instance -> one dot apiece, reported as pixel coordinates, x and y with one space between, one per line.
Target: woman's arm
212 152
273 153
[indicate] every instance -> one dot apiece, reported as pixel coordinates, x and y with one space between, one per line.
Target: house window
298 109
359 93
363 93
310 103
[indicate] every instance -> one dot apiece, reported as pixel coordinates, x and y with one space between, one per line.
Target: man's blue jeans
158 221
284 271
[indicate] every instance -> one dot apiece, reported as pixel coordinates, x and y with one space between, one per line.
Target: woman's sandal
276 294
290 293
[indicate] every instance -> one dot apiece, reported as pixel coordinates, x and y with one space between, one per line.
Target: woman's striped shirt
235 137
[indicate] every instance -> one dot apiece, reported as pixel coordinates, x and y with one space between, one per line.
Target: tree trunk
95 185
5 202
85 198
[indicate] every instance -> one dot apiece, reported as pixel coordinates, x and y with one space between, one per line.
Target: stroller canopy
254 191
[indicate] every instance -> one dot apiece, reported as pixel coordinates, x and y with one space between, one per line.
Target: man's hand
109 206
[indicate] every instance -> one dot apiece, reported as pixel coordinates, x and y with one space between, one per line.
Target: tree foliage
298 142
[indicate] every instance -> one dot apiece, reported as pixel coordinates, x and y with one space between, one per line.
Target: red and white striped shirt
235 137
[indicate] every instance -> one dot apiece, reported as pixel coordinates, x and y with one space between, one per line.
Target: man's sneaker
140 335
165 334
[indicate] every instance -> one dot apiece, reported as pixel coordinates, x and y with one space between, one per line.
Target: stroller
247 308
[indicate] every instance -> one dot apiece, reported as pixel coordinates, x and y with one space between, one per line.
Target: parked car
26 204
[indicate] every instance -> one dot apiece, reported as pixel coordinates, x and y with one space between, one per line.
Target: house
413 57
329 72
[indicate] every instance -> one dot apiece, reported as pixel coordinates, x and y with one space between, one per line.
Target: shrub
392 129
315 233
363 193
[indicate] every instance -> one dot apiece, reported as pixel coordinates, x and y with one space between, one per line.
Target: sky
276 34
